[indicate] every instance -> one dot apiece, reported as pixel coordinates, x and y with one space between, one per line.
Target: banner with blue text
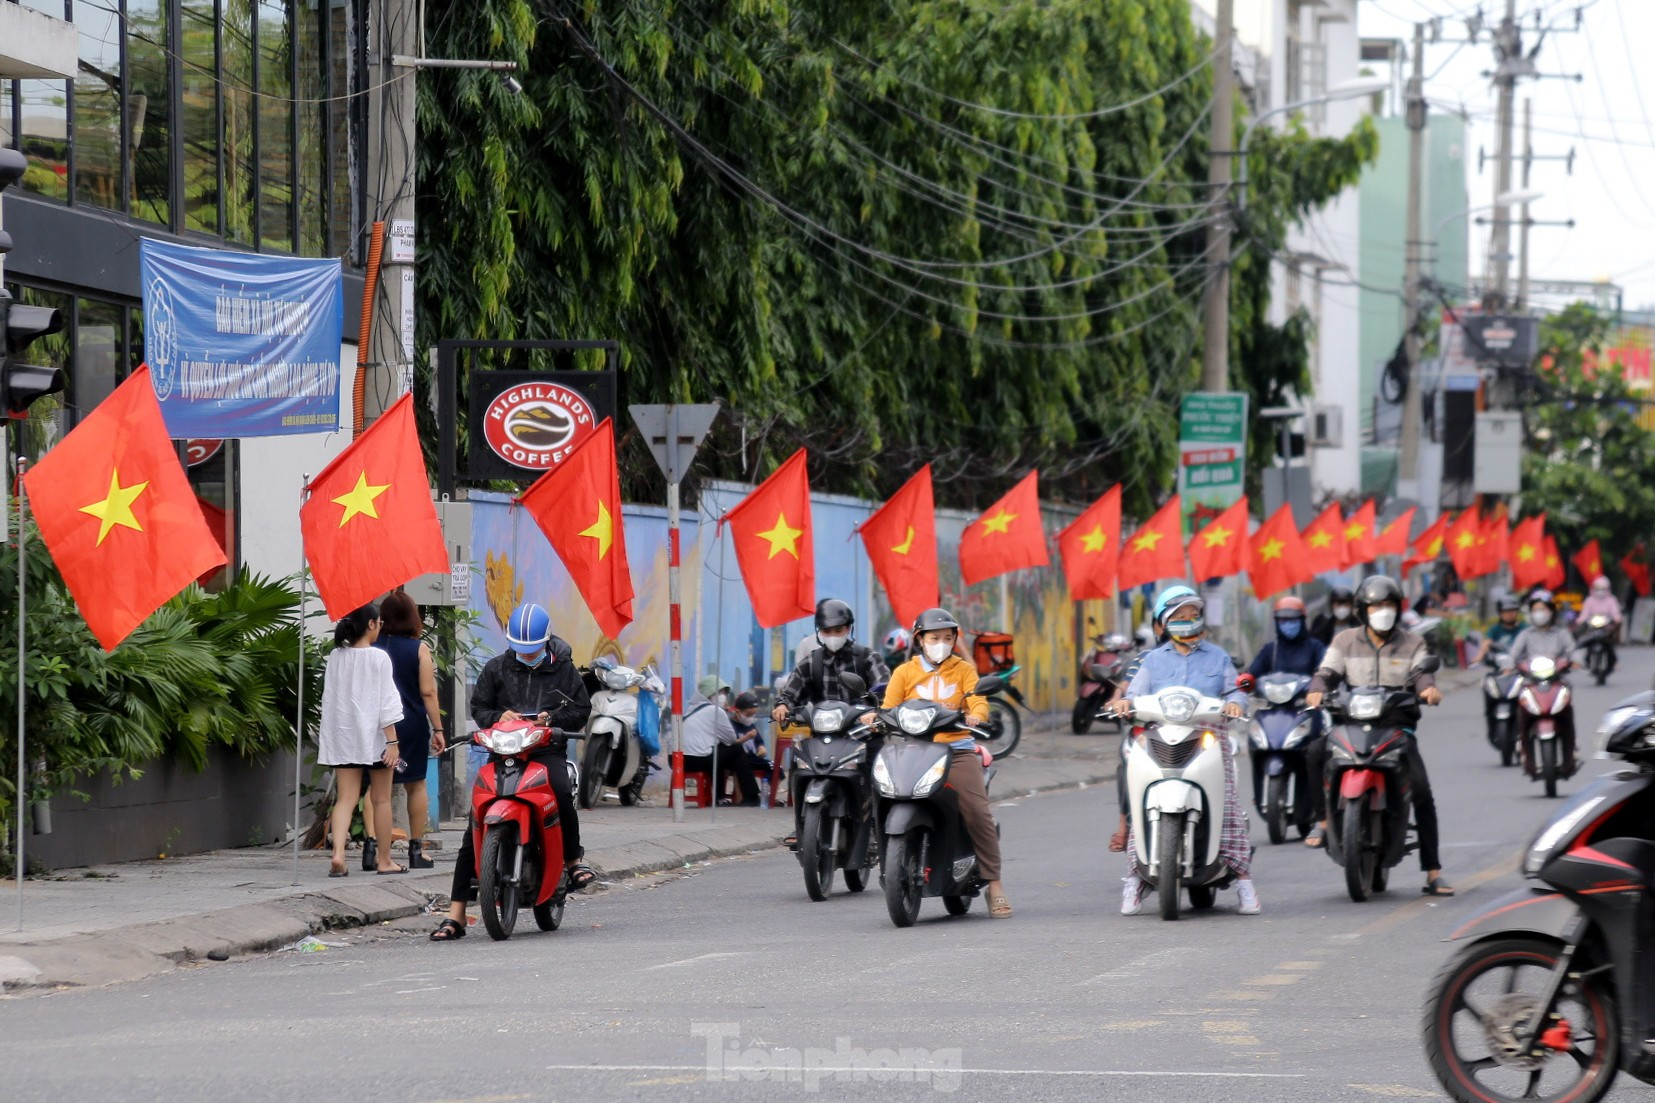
242 344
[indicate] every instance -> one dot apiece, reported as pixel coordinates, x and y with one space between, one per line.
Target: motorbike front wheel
1003 729
814 854
497 896
904 879
1548 765
591 774
1507 731
1170 877
1276 821
1361 859
1493 989
1086 710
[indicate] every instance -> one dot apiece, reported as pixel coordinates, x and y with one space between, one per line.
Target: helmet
1509 604
833 613
528 628
1376 590
1600 585
1543 597
1145 636
1289 605
935 620
897 639
1340 593
1115 641
1171 598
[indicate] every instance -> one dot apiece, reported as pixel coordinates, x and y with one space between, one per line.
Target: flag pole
19 867
299 720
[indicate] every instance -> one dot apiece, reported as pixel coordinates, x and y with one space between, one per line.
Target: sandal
1117 841
998 906
393 869
791 842
580 876
1317 838
337 868
449 930
1436 886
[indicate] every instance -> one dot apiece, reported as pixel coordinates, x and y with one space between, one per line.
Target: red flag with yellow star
1394 539
1278 555
1156 550
1493 543
577 504
369 524
771 530
1428 546
1527 547
1219 549
1360 536
1636 565
1090 547
1461 542
1556 575
1588 561
117 513
1324 541
1007 537
901 538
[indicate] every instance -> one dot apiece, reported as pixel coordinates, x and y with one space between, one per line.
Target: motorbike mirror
1431 665
855 687
990 683
1245 683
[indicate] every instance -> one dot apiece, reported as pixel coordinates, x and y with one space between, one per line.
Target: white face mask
939 651
1382 619
833 643
1341 612
1540 617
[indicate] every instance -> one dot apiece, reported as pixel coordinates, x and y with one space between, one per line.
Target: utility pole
1408 460
397 39
1215 349
1508 53
1523 234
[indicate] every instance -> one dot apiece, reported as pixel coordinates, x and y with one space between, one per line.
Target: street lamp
1351 89
1504 199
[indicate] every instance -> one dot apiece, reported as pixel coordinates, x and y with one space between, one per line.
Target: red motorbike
1100 671
1549 707
516 827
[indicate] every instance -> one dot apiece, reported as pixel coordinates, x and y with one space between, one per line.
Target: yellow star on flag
1355 531
999 523
1217 536
1551 560
1146 541
1435 549
116 508
602 530
360 499
1093 541
1465 540
907 544
1320 539
1271 549
1526 552
783 538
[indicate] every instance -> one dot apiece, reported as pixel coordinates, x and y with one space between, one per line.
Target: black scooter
927 851
1555 992
832 802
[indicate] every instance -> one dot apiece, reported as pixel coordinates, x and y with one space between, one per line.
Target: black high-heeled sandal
370 855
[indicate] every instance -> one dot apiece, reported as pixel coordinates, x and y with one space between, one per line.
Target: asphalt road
680 986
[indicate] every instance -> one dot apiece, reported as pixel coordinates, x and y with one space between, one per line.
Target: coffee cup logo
536 425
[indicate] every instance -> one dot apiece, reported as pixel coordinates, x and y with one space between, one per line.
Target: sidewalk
123 922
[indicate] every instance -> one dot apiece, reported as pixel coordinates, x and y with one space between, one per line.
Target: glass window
311 154
275 51
150 130
100 348
46 136
50 7
211 467
48 418
98 106
198 76
341 64
240 124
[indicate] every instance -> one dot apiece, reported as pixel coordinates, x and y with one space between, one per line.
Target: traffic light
22 384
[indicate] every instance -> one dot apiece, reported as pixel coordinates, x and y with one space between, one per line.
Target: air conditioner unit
1327 427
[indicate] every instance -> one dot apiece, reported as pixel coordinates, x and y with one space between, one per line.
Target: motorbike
1546 697
1175 795
1501 685
926 850
614 756
1100 672
1594 638
1551 994
832 800
516 828
1279 736
1370 795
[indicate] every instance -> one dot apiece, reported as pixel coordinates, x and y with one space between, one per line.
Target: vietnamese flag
1636 566
577 504
1219 549
1394 540
1324 541
1156 550
1493 541
1461 541
1589 562
369 524
771 528
118 515
1428 546
1555 574
1278 555
1528 552
1090 548
901 538
1007 537
1359 535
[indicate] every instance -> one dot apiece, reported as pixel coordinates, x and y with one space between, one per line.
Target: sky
1608 117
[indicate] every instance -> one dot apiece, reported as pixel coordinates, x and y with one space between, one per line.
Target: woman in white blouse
360 709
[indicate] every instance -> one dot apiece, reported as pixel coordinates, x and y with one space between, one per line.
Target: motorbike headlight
882 778
928 780
1299 734
1365 706
1178 707
1279 693
1543 668
916 721
1554 833
507 742
829 721
1259 739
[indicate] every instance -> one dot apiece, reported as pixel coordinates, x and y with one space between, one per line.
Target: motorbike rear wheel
1276 799
1507 732
1086 710
633 792
814 855
1463 1017
1548 765
1360 858
497 897
1203 897
1170 876
904 879
591 773
957 905
856 880
1003 730
549 916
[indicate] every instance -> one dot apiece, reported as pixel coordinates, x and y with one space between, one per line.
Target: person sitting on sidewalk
744 717
711 745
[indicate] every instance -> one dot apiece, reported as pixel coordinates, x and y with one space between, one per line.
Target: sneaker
1249 897
1132 894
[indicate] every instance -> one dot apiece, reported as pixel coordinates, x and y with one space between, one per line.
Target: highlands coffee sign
525 423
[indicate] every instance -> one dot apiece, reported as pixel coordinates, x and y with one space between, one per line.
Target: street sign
1498 453
673 433
1504 340
1212 454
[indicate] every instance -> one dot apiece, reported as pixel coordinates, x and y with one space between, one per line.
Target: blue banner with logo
242 344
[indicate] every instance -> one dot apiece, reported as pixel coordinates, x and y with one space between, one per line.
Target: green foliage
1587 451
207 670
970 234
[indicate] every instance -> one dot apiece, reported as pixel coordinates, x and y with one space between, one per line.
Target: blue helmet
1171 598
528 628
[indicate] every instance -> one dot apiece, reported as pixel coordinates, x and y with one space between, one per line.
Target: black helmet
833 613
1340 593
1508 604
935 620
1376 590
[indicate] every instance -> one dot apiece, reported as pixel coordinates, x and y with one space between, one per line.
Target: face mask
1382 619
937 652
1290 629
1341 612
833 643
530 660
1540 617
1187 630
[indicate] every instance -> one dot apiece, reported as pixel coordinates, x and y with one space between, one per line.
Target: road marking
1275 979
663 1081
1416 908
698 957
1131 1024
1395 1091
1301 966
713 1074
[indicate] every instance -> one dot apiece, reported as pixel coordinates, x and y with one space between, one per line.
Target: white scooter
614 757
1175 791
